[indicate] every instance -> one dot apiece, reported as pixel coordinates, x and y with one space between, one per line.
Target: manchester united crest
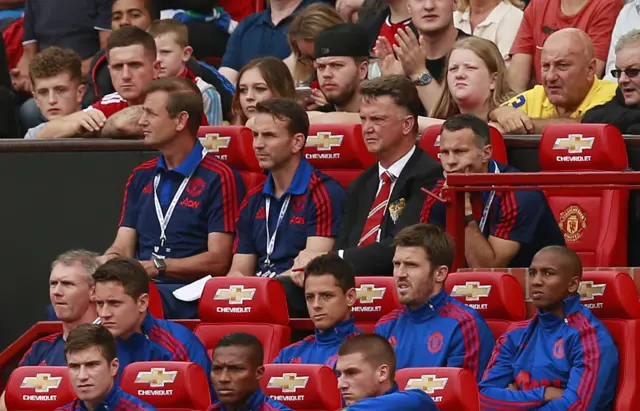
396 208
573 222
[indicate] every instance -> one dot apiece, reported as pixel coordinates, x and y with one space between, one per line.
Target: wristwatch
423 79
160 264
468 218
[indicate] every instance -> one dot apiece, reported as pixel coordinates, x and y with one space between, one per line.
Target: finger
402 40
91 123
528 124
411 36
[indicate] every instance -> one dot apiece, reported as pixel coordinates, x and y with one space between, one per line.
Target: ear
382 373
113 367
182 120
574 284
143 303
591 68
492 84
92 293
440 275
81 90
156 69
408 125
351 296
487 152
298 142
455 5
363 69
187 52
260 372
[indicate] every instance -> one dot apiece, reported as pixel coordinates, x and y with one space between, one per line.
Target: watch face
160 264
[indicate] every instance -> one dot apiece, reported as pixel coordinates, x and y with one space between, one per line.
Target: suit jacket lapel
399 190
368 194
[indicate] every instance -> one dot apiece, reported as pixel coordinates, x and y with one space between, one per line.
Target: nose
126 71
399 271
56 290
342 382
126 21
315 304
258 143
83 375
224 376
429 4
144 120
103 311
52 97
536 279
623 78
250 96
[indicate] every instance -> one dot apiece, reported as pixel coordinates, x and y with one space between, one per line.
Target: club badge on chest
396 208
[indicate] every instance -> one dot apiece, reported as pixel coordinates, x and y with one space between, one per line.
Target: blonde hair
306 26
463 5
489 53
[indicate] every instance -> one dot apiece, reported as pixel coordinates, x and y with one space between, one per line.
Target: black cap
346 40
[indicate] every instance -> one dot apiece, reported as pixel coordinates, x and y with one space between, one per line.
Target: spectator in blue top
93 367
514 225
179 211
261 34
297 208
329 289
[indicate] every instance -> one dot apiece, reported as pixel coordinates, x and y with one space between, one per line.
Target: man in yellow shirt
569 87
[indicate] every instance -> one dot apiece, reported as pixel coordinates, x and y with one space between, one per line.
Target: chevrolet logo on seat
323 141
471 291
235 294
427 383
41 382
368 293
588 290
288 382
213 142
156 377
574 143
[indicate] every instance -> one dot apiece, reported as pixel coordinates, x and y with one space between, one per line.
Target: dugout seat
497 296
168 385
302 387
234 146
38 388
452 389
249 304
594 222
338 150
155 301
376 297
612 297
430 142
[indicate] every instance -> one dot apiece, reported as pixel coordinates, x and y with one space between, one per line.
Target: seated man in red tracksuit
432 329
366 368
329 288
561 359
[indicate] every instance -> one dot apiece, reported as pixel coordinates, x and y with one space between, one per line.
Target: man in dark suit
386 197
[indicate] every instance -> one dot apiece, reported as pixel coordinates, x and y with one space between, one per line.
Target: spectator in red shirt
544 17
132 64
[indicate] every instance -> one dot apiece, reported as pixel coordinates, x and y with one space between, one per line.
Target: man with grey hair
71 289
623 111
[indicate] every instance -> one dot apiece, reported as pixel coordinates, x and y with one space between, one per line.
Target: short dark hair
375 349
91 335
479 127
569 257
154 11
132 36
53 61
331 264
126 271
403 92
245 340
184 95
435 242
286 110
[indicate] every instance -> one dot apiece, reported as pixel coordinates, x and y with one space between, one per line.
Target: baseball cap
345 40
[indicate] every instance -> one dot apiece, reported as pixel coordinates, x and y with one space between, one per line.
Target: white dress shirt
628 19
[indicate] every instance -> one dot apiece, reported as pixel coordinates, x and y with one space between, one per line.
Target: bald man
569 87
561 359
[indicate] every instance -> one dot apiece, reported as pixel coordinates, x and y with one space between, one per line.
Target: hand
468 208
513 387
296 276
150 268
512 120
318 97
20 75
304 257
106 257
88 121
235 274
411 52
553 393
346 8
387 61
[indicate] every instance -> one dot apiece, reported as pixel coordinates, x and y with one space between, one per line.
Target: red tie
374 219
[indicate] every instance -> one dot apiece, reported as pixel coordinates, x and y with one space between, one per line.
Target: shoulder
586 326
249 21
67 407
359 181
113 98
311 339
127 401
47 340
146 168
252 196
217 167
606 88
176 330
459 312
392 317
518 328
320 181
271 404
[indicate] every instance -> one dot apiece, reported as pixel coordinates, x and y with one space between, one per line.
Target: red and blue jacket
116 400
319 348
440 333
396 400
257 402
574 353
48 350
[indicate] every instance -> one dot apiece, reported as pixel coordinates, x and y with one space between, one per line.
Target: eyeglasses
630 72
306 60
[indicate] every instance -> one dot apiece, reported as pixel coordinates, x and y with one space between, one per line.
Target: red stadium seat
168 385
612 297
452 389
594 222
234 146
302 387
430 142
250 304
496 296
338 150
38 389
155 301
376 297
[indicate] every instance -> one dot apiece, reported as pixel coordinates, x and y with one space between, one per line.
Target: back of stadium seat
594 222
250 304
376 297
430 142
38 389
452 389
497 296
168 385
338 150
234 146
302 387
155 301
613 298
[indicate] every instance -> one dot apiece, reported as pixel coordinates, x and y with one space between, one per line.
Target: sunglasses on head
630 72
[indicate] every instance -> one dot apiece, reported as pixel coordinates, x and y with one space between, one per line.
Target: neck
439 44
386 160
570 7
137 328
283 176
352 106
280 9
399 11
482 7
177 150
481 112
241 404
89 316
437 288
92 405
384 387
